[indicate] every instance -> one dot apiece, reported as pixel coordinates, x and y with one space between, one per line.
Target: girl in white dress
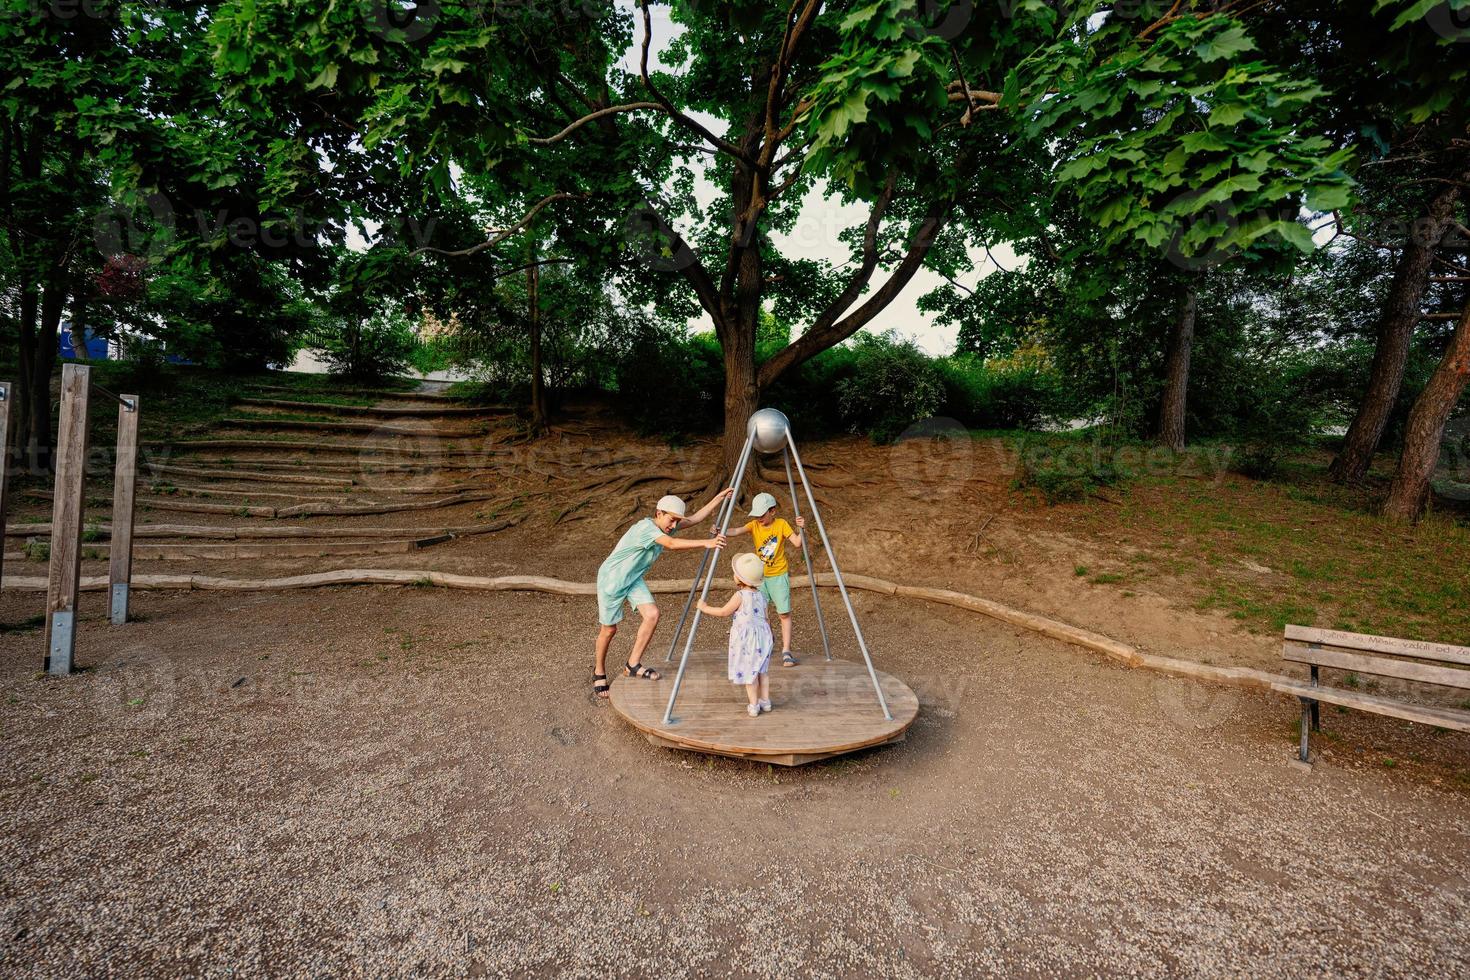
750 633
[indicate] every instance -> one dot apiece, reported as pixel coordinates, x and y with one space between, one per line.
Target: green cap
762 503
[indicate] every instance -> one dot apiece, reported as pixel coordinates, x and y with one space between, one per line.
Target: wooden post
124 480
67 508
6 396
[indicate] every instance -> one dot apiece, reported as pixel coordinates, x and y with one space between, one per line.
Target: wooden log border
1123 653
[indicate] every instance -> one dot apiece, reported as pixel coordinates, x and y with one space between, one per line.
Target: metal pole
837 574
811 572
694 585
704 592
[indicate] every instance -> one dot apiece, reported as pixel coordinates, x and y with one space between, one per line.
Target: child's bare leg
649 612
765 688
604 640
785 632
752 692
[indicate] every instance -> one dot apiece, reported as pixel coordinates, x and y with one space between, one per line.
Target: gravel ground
411 781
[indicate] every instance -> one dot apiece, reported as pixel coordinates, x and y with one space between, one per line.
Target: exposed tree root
1124 653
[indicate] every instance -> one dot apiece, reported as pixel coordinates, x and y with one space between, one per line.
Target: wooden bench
1411 660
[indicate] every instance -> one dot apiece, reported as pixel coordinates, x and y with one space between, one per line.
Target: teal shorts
777 590
610 607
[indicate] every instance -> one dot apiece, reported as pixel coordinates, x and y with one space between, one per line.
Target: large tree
707 150
1395 86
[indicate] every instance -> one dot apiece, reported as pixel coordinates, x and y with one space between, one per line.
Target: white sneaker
764 704
753 709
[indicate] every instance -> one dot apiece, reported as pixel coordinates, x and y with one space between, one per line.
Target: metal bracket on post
118 608
708 578
63 643
811 500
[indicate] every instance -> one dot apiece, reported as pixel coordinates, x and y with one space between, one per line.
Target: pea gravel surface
396 782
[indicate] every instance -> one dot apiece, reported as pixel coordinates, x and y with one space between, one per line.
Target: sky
816 233
823 217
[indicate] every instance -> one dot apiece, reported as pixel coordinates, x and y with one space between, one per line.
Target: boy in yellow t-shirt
770 534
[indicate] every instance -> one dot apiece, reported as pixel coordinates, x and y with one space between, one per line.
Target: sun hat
762 503
748 569
671 504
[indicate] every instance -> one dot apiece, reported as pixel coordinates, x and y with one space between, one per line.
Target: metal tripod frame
711 560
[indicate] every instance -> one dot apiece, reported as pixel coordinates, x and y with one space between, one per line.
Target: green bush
1277 419
1018 393
1064 469
892 386
670 385
369 350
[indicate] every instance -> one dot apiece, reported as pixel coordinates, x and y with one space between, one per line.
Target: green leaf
1227 115
1329 197
327 78
1414 11
1231 41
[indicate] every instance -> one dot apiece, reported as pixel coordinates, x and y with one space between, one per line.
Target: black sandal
642 670
600 686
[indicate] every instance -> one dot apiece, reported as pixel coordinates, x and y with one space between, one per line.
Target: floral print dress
750 639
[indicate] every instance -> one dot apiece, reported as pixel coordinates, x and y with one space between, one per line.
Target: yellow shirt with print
770 544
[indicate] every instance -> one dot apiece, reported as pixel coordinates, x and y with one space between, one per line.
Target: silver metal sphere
769 427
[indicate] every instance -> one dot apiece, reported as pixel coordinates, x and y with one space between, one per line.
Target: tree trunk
24 401
742 398
538 390
1396 325
38 362
1176 372
741 315
1409 491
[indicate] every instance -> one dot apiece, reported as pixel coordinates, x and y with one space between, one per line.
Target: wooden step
282 445
457 411
265 422
282 531
205 551
383 394
247 476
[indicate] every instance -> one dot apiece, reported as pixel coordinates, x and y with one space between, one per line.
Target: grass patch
1296 549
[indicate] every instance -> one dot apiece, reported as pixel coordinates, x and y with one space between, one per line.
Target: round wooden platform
820 709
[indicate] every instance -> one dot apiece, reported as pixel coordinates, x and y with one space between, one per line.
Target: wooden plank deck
821 709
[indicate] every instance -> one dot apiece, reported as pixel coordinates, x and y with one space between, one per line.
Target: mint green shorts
610 606
777 590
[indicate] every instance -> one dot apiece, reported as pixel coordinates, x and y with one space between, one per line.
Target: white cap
762 503
748 569
671 504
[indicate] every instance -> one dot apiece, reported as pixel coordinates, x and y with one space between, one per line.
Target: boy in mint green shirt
620 581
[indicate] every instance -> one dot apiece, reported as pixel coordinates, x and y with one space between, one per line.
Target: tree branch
502 234
668 106
591 117
827 330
